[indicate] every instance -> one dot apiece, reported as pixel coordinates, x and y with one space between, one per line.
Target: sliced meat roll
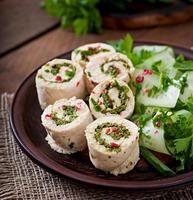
83 54
112 97
129 164
58 79
108 66
113 144
65 122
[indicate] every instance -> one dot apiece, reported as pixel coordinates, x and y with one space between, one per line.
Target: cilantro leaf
125 46
179 138
156 65
188 105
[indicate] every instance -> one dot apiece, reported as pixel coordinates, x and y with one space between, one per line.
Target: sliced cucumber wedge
188 90
167 99
153 138
153 48
166 64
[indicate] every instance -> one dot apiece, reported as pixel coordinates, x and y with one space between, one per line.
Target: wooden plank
21 21
15 66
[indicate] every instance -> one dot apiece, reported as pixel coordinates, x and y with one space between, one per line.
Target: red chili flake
114 145
156 132
146 90
118 71
107 130
48 116
100 102
139 79
109 84
58 78
115 129
64 68
158 124
79 106
147 72
78 83
105 91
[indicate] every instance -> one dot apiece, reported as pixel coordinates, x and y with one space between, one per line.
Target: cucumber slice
166 65
153 48
188 91
153 138
167 99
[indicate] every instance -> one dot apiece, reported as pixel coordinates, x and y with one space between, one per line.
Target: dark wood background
29 37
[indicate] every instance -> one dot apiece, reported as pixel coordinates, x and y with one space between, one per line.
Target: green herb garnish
182 64
183 83
156 65
125 46
82 16
179 138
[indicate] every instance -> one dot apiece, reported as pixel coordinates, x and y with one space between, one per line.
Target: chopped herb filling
91 51
112 70
118 131
55 70
109 103
69 115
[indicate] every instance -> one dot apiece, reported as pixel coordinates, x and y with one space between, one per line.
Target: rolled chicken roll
83 54
113 144
108 66
58 79
112 97
65 122
129 164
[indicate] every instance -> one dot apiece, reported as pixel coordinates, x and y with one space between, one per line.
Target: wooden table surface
36 38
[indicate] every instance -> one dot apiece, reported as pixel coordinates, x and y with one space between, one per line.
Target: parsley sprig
179 138
82 15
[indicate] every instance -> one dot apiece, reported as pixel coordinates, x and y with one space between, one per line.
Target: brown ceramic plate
30 134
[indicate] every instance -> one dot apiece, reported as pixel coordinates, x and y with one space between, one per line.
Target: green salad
163 88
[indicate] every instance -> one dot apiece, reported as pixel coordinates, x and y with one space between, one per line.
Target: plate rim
62 170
